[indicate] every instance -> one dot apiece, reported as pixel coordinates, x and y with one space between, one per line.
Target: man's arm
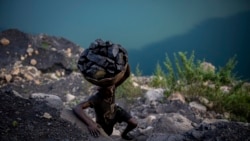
92 126
126 75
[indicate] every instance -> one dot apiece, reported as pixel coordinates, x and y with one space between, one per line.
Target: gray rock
69 97
165 137
172 123
52 100
198 106
154 95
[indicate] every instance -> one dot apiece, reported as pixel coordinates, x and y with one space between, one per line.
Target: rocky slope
39 83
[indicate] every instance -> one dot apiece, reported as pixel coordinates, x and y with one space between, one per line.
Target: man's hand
94 129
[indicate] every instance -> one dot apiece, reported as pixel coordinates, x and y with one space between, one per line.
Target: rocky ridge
39 83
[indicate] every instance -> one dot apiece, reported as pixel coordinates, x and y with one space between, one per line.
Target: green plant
45 45
170 76
138 72
73 64
14 123
159 78
237 102
186 67
225 74
128 90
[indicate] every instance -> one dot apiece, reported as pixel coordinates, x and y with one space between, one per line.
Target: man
107 112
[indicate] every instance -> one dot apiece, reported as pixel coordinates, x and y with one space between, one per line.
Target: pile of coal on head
103 62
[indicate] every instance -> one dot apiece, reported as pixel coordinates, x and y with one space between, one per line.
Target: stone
225 89
147 130
22 58
203 100
28 76
53 76
176 96
210 105
150 119
226 115
47 115
198 106
15 71
116 132
58 73
68 52
53 49
5 41
17 94
52 100
33 62
37 82
8 77
172 123
69 97
154 95
30 51
112 52
36 52
135 84
30 72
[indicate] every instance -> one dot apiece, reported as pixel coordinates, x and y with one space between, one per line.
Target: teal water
148 29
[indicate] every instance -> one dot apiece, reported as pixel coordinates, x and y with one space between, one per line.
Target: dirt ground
25 119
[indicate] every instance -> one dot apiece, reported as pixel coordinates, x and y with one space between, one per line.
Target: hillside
40 83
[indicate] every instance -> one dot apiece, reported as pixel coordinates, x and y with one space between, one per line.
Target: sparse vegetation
199 79
45 45
138 72
159 78
128 91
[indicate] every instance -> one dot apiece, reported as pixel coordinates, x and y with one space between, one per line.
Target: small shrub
14 123
225 75
128 90
237 102
170 76
188 77
138 72
45 45
159 78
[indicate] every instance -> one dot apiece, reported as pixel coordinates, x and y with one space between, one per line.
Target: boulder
173 123
176 96
154 95
51 100
198 106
